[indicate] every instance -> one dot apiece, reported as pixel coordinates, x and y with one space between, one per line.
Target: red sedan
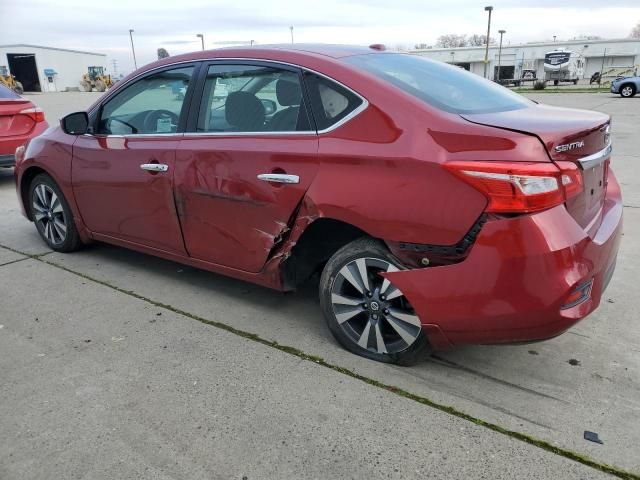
20 120
440 208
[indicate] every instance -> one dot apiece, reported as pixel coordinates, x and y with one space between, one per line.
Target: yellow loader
10 81
95 78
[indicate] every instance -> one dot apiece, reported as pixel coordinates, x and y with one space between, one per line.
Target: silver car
627 87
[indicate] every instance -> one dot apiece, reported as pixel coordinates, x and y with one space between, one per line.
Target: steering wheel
150 122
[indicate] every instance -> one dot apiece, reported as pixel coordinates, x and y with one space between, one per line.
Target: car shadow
6 175
529 384
299 310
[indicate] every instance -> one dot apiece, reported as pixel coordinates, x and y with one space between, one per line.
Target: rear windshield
446 87
6 93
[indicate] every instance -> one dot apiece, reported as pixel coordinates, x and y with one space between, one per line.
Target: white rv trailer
563 65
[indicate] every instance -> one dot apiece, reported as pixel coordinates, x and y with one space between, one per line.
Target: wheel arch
315 244
25 181
630 84
321 225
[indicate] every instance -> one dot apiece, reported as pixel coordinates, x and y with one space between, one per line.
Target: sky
104 26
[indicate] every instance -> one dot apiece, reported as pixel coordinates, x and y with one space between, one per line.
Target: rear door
246 162
123 173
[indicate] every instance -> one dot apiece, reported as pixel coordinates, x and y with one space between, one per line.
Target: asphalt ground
115 364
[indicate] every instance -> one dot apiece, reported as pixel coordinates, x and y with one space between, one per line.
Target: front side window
252 98
330 102
151 105
443 86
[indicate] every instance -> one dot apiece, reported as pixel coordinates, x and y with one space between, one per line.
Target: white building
610 56
48 69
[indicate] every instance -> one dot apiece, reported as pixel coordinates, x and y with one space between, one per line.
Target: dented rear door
229 216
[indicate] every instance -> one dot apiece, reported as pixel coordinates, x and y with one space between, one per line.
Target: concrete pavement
97 384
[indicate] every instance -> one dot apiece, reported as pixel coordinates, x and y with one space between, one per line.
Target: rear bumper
7 160
518 275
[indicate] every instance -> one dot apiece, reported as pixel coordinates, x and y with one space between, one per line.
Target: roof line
531 44
52 48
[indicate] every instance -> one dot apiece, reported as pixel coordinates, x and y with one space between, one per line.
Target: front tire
364 312
628 90
52 216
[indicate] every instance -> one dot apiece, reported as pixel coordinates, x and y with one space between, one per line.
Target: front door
123 173
247 165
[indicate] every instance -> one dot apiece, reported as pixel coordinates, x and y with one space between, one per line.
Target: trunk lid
11 121
578 136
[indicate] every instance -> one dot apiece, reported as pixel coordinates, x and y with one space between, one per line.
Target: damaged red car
439 208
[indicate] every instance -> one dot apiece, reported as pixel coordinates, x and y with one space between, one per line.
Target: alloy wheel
49 214
627 91
373 313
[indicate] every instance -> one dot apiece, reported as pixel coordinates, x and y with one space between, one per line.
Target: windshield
446 87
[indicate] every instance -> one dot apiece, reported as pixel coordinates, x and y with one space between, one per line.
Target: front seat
244 112
289 95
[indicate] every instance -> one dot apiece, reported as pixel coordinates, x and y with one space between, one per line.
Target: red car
440 208
20 120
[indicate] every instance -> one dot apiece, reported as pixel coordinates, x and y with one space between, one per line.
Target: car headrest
244 111
288 93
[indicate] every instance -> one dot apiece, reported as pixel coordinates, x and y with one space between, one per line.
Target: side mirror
75 123
270 106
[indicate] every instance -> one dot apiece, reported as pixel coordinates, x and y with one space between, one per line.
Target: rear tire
627 90
52 215
365 313
555 83
85 86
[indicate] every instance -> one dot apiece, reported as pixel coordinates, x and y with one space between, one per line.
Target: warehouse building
48 69
613 57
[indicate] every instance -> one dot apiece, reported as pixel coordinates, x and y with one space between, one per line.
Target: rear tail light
520 187
571 178
36 114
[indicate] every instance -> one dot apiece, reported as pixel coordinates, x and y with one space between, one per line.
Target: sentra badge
569 146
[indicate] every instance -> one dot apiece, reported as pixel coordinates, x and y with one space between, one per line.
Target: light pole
486 51
201 39
291 28
452 57
501 32
604 55
135 63
554 39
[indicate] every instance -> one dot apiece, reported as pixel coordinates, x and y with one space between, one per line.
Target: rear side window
251 99
443 86
6 93
330 102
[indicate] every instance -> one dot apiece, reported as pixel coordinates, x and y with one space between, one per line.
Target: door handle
154 167
279 178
